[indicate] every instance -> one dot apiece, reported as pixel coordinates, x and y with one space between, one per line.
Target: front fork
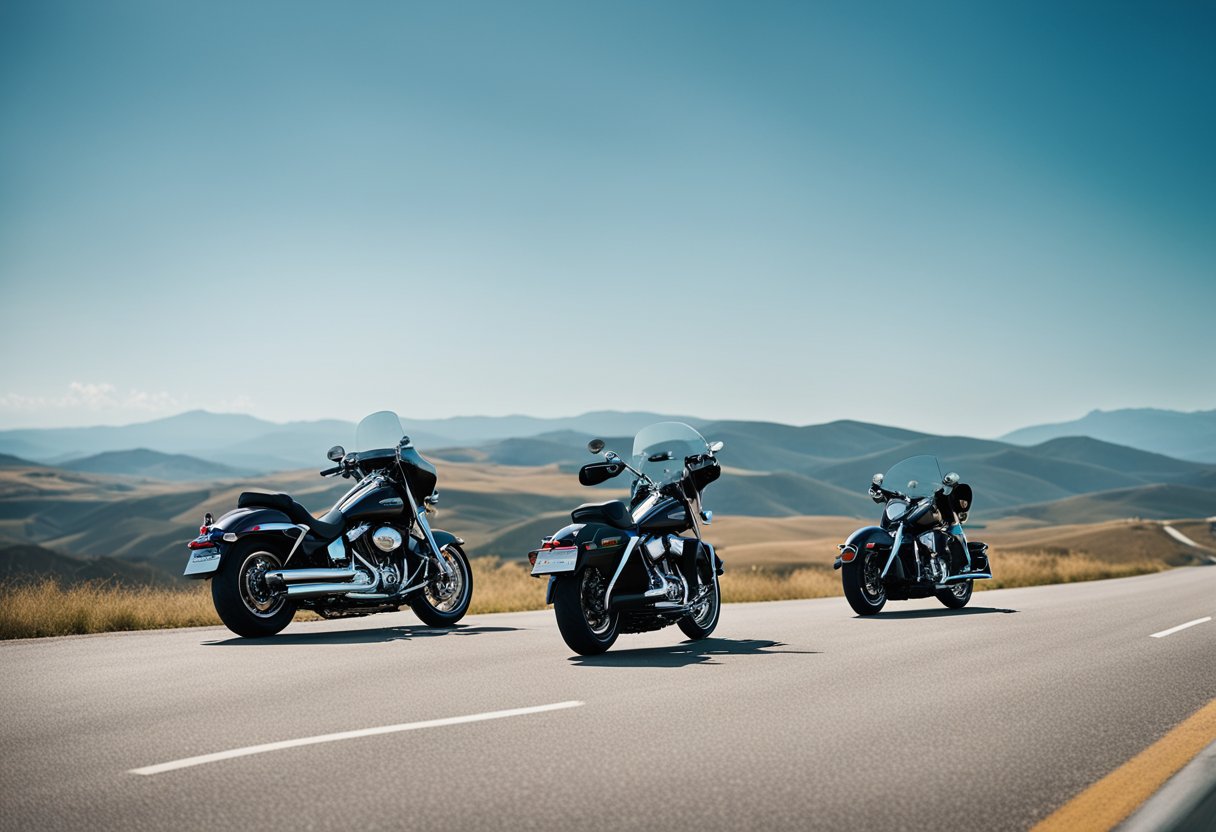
420 516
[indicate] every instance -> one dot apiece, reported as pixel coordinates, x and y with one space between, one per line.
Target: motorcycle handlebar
329 472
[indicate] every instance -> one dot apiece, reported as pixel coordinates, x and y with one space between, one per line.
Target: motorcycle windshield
674 440
916 476
379 431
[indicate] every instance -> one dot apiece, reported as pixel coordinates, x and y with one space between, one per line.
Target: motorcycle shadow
379 635
942 613
704 652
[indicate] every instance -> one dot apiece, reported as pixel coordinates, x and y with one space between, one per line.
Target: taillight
532 558
200 544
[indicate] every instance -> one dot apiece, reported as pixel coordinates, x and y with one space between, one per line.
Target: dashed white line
1173 630
203 759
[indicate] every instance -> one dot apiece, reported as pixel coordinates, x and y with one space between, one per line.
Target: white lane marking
203 759
1173 630
1181 538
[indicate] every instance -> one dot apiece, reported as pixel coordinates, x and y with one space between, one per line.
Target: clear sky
954 217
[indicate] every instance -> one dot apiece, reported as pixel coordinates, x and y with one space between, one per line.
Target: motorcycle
919 549
624 568
372 552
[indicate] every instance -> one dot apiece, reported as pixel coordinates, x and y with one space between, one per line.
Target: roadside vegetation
48 608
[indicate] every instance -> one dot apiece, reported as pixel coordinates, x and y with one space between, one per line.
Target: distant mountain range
1173 433
248 443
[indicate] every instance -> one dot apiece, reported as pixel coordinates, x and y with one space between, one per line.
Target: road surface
794 715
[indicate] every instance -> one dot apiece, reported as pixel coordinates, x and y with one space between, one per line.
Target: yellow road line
1110 801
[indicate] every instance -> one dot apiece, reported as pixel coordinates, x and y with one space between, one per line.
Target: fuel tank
667 516
374 503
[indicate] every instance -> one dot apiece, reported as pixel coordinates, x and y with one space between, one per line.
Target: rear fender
236 524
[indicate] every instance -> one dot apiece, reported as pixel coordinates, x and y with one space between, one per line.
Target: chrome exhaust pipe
317 590
279 578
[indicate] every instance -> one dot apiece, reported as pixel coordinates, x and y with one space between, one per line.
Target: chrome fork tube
420 516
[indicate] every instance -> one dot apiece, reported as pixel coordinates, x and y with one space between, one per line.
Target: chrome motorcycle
625 568
372 552
919 548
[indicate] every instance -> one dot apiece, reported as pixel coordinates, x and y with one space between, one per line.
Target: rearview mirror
877 479
950 479
595 445
714 447
594 473
335 453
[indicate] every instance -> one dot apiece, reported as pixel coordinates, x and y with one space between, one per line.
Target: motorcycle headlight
896 509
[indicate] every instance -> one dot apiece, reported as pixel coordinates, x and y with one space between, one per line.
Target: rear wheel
586 625
244 602
445 600
957 596
862 578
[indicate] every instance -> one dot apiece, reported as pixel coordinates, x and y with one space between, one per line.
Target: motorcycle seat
327 528
612 513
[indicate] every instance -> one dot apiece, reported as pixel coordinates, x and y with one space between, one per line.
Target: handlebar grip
329 471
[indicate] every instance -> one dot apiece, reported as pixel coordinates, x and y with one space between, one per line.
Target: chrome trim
303 533
633 542
271 527
963 577
899 541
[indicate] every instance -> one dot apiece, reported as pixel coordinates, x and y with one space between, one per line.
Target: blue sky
954 217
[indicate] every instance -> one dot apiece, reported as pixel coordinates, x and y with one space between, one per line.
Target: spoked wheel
862 578
244 602
704 618
957 596
445 600
587 626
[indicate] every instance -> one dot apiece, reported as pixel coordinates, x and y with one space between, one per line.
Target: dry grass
505 587
50 609
1011 569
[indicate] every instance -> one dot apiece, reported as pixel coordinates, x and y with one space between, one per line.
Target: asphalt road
795 715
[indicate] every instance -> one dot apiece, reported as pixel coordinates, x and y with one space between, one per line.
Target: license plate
202 561
549 561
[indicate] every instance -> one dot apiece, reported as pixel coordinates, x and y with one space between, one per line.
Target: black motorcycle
624 568
919 549
372 552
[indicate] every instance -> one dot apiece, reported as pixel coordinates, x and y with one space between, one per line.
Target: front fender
443 538
858 539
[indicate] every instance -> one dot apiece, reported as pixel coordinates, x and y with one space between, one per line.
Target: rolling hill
1190 436
155 465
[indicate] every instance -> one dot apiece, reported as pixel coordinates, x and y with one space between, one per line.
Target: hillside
26 562
1190 436
155 465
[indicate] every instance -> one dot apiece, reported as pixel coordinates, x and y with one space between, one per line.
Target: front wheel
586 625
244 602
699 623
862 578
445 600
957 596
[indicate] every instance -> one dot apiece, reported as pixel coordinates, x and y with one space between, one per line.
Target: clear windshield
916 476
380 431
666 439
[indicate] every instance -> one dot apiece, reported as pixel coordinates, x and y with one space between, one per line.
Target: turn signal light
532 558
847 554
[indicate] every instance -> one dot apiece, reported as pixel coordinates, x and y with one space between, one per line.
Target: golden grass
50 609
1013 569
